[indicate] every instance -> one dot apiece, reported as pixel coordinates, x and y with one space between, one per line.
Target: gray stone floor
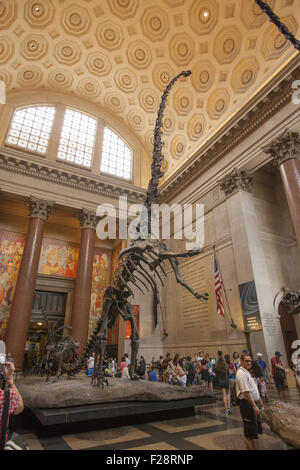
208 429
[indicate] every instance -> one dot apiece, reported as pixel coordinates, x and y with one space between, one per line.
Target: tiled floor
209 429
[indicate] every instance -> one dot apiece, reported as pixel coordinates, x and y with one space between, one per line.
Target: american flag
218 287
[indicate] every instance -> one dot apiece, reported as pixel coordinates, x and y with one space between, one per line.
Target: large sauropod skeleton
141 265
143 262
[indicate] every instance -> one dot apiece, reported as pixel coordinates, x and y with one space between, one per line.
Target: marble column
21 308
83 283
285 151
251 259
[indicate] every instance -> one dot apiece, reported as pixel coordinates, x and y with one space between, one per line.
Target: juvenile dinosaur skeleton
141 265
60 350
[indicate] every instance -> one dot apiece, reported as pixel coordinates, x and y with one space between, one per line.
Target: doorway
47 315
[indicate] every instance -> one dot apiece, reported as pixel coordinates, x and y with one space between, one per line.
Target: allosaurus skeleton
60 354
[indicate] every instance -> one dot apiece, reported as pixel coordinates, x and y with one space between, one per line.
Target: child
262 389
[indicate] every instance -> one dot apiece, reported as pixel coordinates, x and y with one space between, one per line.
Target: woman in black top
222 373
141 367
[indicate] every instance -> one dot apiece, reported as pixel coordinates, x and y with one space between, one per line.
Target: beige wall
254 240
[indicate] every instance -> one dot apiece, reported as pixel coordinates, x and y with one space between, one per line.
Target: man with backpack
190 367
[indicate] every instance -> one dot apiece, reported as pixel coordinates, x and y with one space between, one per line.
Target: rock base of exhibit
68 402
284 420
78 391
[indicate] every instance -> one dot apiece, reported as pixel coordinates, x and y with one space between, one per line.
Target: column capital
39 208
236 180
284 147
87 219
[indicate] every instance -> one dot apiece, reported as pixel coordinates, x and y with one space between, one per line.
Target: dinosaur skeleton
276 21
61 357
289 298
141 265
60 350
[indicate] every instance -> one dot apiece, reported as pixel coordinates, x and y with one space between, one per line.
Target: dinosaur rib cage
133 268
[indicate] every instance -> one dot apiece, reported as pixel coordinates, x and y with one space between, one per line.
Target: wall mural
101 277
11 250
57 258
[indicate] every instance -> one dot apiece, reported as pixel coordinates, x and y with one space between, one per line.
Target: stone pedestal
24 293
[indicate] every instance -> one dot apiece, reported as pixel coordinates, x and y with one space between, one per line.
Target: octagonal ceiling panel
121 54
8 13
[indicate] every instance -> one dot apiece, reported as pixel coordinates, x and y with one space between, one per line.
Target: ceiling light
205 14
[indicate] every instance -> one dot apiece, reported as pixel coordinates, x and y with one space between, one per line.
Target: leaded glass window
77 138
31 128
116 156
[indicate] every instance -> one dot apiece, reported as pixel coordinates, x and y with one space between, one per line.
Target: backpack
231 370
257 370
191 368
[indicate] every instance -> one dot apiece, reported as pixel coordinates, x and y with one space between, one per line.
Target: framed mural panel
58 258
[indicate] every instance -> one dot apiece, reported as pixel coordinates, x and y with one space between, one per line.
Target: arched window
30 128
77 138
116 156
69 136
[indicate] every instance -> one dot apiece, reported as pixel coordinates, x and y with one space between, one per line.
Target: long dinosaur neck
276 21
156 173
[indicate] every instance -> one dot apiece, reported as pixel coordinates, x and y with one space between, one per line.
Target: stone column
21 308
251 259
83 283
233 185
285 151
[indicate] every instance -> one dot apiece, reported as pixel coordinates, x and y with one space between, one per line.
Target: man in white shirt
249 400
200 356
90 365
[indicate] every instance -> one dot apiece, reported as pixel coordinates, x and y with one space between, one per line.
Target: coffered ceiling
121 54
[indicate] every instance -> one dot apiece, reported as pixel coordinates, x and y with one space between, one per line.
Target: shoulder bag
15 441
